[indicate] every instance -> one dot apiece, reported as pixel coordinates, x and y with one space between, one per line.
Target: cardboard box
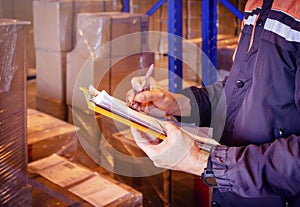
47 135
89 136
194 8
53 107
110 74
46 192
156 189
194 24
13 153
104 63
55 21
225 54
51 74
101 35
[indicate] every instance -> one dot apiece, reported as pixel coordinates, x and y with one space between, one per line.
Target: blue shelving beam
233 9
175 45
209 41
209 38
156 6
126 6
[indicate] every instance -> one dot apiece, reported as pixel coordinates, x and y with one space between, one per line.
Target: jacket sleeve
203 101
258 171
265 170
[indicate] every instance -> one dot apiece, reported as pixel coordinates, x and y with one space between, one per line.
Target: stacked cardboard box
15 9
194 19
14 188
167 188
47 135
54 36
58 181
226 49
106 55
226 45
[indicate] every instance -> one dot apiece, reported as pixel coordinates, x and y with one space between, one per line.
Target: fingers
153 111
144 141
170 127
139 137
148 96
129 97
175 135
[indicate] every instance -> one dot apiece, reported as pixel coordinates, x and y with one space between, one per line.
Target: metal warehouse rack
209 37
209 40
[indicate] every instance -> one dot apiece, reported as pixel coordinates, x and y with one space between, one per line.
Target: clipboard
124 120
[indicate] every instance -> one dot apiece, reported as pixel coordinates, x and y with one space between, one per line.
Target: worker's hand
157 101
177 152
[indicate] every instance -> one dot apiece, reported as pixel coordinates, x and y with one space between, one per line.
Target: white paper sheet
99 191
59 170
44 163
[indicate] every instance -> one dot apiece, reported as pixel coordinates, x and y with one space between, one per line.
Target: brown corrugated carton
46 192
52 107
156 189
54 21
110 74
99 33
51 74
47 135
14 189
103 56
194 8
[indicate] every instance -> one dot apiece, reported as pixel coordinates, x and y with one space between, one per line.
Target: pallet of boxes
58 177
57 35
102 58
15 189
54 36
111 48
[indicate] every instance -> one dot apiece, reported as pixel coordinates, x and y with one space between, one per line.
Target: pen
146 83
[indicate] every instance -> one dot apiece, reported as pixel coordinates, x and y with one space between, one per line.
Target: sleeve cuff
220 167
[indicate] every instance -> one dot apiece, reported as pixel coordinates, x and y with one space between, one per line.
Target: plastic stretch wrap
10 35
55 21
100 58
14 9
14 190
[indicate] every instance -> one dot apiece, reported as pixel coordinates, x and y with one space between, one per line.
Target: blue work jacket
258 163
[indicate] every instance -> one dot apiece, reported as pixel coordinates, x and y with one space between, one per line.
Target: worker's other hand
177 152
157 101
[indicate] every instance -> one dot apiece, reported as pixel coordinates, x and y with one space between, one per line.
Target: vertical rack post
213 34
209 41
126 5
175 44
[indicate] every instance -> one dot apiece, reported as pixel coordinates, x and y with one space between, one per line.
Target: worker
258 160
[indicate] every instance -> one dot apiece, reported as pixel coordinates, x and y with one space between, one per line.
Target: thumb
136 83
